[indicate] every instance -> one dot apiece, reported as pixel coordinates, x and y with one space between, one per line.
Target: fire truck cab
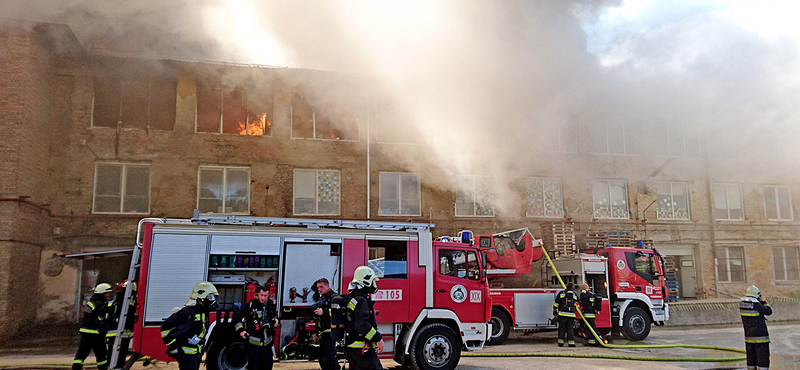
432 300
630 282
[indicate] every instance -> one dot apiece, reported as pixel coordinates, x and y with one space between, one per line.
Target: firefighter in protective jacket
363 341
114 314
324 313
256 322
184 331
753 308
564 308
590 304
93 328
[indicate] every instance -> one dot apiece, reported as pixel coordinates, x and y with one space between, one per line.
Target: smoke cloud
489 82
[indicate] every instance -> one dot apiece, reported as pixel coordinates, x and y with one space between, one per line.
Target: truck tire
501 326
226 356
635 323
435 347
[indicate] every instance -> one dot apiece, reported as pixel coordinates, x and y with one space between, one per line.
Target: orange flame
257 126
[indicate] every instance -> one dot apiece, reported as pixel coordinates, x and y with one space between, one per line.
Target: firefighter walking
363 341
256 322
93 328
114 314
184 331
753 309
564 309
590 305
327 346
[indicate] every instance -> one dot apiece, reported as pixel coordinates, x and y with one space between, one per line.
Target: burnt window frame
117 86
248 106
301 100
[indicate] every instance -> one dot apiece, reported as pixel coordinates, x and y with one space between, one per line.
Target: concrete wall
727 312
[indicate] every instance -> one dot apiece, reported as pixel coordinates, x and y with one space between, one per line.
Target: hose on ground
620 346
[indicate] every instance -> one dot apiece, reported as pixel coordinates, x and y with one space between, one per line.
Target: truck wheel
501 326
226 356
435 347
635 324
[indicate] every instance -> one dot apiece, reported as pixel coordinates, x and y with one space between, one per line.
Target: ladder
128 299
309 223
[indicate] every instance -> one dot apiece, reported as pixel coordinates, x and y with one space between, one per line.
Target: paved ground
47 351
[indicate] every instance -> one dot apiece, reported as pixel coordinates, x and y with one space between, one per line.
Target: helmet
364 276
102 288
752 291
124 284
204 290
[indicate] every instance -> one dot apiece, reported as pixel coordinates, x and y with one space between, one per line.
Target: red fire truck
432 303
523 285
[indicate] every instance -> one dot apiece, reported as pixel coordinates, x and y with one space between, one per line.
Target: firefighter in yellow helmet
363 341
753 308
114 314
184 332
564 310
93 328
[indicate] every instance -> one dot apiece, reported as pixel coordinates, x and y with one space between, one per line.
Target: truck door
458 284
389 260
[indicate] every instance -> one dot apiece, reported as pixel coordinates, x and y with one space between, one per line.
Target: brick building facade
94 142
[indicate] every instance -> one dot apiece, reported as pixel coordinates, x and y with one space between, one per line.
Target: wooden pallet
559 238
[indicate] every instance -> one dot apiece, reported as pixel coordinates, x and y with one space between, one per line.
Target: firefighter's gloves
195 340
555 312
174 351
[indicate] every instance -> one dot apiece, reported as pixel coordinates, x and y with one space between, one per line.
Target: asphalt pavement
57 349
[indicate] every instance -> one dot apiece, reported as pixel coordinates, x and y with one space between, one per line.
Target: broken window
544 197
340 121
399 194
610 198
230 111
728 202
393 126
134 104
616 137
673 200
778 202
730 264
676 139
475 196
223 190
316 192
121 188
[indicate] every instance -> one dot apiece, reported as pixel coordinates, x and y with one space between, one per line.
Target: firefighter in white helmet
113 316
93 328
184 332
753 308
363 341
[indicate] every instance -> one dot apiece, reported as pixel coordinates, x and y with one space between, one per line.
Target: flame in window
258 125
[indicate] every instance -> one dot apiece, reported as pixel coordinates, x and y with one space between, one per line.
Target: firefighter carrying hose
564 309
184 331
114 314
93 328
363 341
753 308
257 322
590 304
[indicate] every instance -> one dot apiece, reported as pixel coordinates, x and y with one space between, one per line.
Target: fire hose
620 346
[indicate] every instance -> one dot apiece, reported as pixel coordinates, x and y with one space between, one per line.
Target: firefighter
753 308
363 341
114 314
93 328
590 304
256 322
184 331
564 309
327 358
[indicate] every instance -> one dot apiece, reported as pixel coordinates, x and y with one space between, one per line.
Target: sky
483 71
